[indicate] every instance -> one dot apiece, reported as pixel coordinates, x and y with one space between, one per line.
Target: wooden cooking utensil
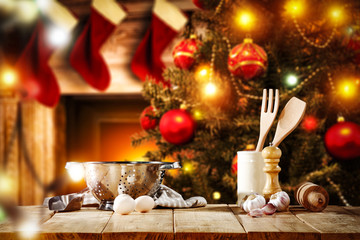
269 110
289 119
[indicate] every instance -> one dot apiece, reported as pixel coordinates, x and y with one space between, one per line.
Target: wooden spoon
289 119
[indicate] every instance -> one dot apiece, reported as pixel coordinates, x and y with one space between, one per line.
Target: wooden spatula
289 119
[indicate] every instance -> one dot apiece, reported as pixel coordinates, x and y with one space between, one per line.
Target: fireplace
99 128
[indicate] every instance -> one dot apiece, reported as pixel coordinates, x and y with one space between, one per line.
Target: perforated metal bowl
106 180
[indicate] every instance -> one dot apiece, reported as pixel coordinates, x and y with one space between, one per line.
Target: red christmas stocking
167 20
85 56
34 72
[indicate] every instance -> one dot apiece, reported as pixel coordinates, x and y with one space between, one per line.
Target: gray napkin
166 197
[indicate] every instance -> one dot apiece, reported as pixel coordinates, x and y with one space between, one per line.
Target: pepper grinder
271 157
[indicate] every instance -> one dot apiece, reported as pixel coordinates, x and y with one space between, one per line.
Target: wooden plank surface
333 223
210 222
87 223
354 210
156 224
32 216
281 225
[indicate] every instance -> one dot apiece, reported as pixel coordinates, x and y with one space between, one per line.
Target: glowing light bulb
216 195
58 36
347 89
245 19
291 80
336 14
295 7
197 115
202 72
9 78
187 167
75 170
210 89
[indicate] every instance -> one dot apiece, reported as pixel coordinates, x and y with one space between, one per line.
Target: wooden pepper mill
271 157
312 197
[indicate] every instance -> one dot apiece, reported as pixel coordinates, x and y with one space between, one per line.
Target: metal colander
106 180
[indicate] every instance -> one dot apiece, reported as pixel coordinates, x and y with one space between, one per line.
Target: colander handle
167 166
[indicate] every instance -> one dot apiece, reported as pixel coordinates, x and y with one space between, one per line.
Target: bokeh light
245 19
197 115
347 89
216 195
43 4
28 229
26 11
202 73
7 185
336 14
75 170
295 7
210 89
187 167
9 78
58 37
291 80
310 123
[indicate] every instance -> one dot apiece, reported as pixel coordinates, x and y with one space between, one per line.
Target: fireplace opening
99 128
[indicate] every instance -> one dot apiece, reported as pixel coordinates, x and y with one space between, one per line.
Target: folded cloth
166 197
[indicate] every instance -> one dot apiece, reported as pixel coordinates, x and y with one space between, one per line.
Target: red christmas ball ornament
234 166
184 52
177 126
310 123
147 119
205 4
342 140
247 60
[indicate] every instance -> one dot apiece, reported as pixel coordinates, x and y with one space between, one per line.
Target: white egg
144 204
124 204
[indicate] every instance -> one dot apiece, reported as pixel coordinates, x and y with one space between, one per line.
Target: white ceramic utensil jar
250 174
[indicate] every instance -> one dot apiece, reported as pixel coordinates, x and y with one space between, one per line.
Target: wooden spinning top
312 197
271 157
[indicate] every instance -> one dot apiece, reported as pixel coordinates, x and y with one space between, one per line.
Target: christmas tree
210 109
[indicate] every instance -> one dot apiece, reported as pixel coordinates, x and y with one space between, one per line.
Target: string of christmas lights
338 191
302 34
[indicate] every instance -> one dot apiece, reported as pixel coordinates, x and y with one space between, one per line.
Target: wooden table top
217 221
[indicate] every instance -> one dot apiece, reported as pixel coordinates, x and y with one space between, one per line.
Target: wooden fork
269 108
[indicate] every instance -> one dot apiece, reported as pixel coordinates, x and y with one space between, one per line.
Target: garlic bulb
253 201
280 200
